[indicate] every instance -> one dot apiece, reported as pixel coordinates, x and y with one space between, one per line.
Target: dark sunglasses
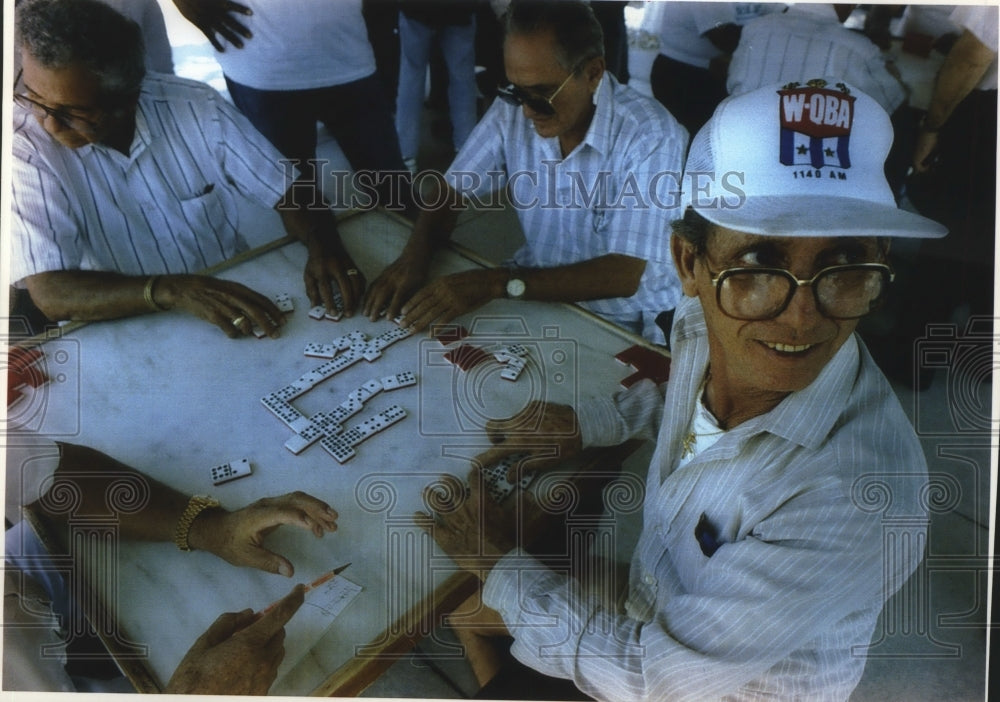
513 95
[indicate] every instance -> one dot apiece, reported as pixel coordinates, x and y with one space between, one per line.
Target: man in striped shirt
592 168
125 184
785 501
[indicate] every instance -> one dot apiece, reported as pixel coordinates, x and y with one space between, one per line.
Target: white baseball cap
799 160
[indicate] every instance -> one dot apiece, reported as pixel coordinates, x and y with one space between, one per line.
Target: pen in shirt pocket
707 536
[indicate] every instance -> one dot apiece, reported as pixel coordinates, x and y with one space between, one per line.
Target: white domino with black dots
231 471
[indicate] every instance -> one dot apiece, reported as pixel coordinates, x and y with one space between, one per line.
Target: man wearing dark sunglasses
786 500
592 169
125 185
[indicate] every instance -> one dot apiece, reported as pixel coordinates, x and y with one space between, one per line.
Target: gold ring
238 321
352 271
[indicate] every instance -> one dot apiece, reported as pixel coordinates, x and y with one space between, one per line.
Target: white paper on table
317 613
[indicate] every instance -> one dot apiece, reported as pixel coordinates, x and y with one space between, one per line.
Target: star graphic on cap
802 149
829 151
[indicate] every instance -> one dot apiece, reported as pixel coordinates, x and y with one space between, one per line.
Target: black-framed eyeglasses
66 119
513 95
841 292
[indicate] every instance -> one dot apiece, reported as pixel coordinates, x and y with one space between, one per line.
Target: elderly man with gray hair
784 463
125 184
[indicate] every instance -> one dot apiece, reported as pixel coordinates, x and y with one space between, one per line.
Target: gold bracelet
147 294
196 505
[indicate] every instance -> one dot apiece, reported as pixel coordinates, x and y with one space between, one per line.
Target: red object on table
647 364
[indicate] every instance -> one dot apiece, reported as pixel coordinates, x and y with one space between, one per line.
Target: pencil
326 577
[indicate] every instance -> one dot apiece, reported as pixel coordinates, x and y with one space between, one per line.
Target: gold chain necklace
689 442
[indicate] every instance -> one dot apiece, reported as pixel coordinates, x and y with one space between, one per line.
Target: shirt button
649 579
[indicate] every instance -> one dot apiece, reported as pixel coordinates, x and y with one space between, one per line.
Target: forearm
608 276
96 476
315 228
961 71
93 295
432 231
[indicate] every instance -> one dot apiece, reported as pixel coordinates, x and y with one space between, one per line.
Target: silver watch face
515 287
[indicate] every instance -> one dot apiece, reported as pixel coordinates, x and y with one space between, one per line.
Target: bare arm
611 275
408 273
233 536
329 265
963 68
97 295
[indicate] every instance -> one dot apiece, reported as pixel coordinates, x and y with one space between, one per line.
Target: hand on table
472 529
394 287
447 297
232 307
544 429
237 537
239 654
216 17
326 272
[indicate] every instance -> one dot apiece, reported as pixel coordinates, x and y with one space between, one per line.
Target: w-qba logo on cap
816 124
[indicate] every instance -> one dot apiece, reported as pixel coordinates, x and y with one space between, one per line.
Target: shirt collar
822 401
598 135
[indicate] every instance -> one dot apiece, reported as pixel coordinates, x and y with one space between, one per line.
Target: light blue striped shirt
616 193
809 502
168 207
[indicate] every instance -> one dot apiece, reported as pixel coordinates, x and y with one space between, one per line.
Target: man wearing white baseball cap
783 501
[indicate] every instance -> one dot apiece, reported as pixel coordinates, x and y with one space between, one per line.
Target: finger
277 616
237 7
210 33
262 319
347 295
323 283
223 627
373 298
224 321
312 289
319 512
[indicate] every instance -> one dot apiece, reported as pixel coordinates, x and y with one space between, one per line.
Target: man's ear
593 71
685 256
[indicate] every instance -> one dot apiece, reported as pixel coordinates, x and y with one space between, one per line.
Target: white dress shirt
615 193
169 206
806 554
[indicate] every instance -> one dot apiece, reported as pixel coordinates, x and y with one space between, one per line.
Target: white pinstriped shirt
614 194
805 560
167 207
799 45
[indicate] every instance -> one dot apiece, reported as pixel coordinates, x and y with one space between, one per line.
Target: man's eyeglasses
66 119
841 292
513 95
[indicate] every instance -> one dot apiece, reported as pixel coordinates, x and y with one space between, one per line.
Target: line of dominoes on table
327 427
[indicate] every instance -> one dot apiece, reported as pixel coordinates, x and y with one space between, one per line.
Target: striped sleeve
44 235
755 601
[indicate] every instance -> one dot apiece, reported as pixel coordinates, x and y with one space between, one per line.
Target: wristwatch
515 288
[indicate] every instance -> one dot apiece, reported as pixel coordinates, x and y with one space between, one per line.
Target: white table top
173 396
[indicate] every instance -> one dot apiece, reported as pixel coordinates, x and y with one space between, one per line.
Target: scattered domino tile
317 312
258 332
231 471
467 357
320 350
647 364
400 380
449 333
495 477
283 301
335 317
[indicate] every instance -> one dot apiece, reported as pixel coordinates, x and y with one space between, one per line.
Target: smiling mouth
788 348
